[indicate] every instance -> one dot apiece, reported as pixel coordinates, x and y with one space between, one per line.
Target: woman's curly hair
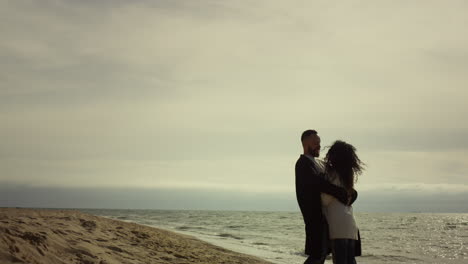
342 159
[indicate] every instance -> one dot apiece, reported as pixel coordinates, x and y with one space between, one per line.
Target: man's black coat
309 185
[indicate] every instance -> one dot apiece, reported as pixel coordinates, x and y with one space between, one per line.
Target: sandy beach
67 236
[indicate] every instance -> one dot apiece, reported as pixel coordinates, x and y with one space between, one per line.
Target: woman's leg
339 251
343 251
350 255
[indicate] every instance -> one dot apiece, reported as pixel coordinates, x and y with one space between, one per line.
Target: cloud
412 167
414 189
215 94
14 195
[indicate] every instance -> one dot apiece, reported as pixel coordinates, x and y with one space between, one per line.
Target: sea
279 236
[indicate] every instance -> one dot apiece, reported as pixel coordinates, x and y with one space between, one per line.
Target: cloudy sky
210 97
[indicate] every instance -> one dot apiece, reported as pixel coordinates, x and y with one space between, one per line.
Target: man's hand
352 196
342 196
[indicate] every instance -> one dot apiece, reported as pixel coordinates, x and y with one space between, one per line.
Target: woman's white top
341 223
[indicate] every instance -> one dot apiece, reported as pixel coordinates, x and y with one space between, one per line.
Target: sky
200 104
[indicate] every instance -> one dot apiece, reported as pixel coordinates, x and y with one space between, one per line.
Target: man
309 184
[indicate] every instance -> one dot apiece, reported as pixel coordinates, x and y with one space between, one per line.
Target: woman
342 166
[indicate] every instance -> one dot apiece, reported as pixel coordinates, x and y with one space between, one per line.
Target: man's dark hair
307 134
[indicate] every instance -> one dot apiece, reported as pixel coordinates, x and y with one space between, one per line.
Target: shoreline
70 236
228 245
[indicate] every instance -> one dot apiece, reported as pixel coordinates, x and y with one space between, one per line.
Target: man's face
313 146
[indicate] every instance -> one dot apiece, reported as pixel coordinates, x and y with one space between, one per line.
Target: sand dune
66 236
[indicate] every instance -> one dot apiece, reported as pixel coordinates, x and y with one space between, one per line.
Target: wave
393 258
234 226
184 228
260 244
226 235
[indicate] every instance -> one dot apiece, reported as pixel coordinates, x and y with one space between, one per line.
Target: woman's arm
314 182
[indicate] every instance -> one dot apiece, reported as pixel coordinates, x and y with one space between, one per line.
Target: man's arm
353 197
316 183
321 185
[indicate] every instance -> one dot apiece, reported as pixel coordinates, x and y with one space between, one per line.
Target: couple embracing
325 193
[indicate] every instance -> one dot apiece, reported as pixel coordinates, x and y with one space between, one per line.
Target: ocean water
279 236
